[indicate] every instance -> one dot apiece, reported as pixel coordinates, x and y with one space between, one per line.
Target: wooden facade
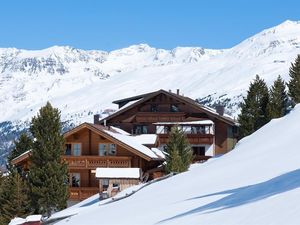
88 147
83 155
145 112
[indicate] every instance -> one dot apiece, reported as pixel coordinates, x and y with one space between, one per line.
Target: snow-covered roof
146 139
119 130
158 152
118 173
33 218
199 122
131 141
17 221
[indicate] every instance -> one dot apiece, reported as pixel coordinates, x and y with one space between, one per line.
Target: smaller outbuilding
114 180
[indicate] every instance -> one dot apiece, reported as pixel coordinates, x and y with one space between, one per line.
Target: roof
146 139
144 97
20 221
199 122
129 99
21 157
133 173
132 142
122 139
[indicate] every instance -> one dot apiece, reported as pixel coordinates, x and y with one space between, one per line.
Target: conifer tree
278 101
48 174
179 151
14 201
23 144
254 113
294 83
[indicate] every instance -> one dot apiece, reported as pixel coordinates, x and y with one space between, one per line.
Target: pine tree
48 174
23 144
254 113
14 201
179 151
278 101
294 83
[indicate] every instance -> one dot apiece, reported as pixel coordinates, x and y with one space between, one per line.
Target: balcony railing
81 193
192 138
92 162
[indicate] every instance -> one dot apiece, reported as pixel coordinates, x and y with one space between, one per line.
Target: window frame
73 148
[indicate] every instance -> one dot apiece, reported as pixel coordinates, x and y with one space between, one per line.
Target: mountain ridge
85 82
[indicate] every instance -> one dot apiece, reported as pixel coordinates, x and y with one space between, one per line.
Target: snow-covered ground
256 183
81 83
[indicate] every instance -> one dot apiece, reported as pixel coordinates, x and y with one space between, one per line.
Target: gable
103 134
164 100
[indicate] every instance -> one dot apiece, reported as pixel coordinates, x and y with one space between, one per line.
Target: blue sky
113 24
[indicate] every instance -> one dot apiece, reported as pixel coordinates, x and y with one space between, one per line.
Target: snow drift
256 183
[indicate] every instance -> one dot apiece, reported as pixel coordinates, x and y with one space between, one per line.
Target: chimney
170 91
96 118
177 91
220 109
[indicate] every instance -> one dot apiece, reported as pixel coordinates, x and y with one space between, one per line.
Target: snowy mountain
256 183
81 83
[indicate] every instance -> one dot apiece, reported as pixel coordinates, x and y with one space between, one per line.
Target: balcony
81 193
192 138
153 117
92 162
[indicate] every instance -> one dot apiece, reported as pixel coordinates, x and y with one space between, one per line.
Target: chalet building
209 132
114 180
91 146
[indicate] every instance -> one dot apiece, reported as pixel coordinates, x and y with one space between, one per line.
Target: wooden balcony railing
152 117
81 193
192 138
92 162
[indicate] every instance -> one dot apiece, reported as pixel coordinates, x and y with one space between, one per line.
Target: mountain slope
69 77
257 183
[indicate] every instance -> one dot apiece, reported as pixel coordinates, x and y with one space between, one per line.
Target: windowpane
76 149
174 108
102 149
68 149
160 129
140 129
112 149
75 179
199 150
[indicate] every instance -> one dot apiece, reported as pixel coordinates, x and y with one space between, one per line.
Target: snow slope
256 183
81 83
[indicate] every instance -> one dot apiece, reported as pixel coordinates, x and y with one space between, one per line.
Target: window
200 130
112 149
174 108
105 184
154 108
198 150
75 179
102 149
160 129
116 186
77 149
68 149
140 129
